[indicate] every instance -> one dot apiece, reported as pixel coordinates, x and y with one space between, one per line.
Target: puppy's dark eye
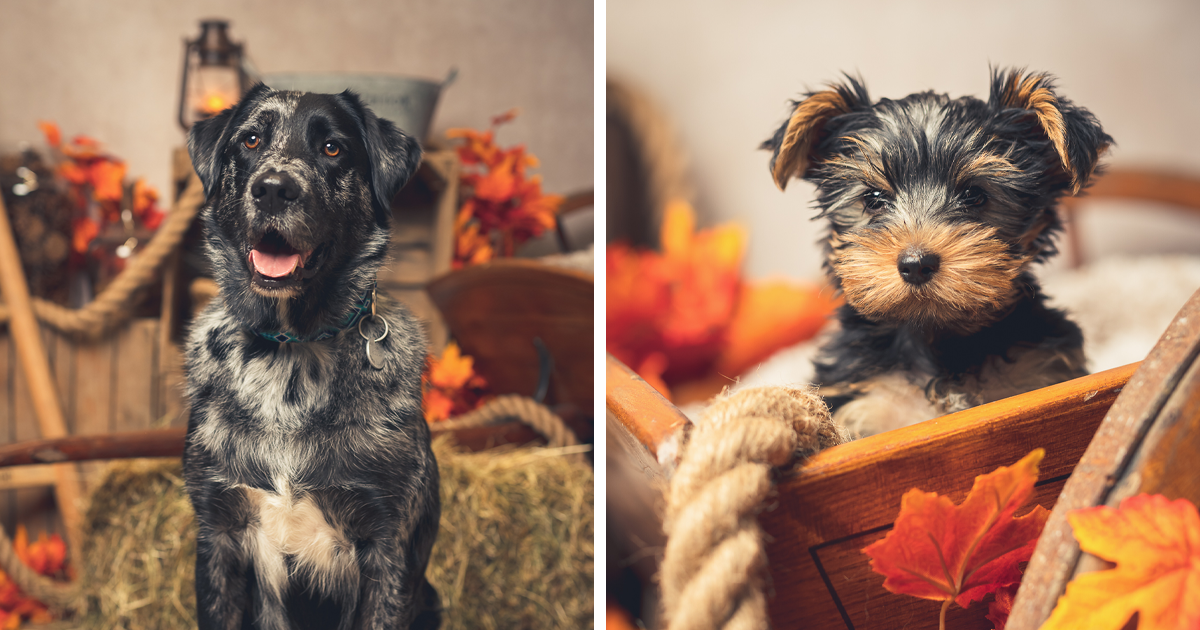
973 196
875 200
331 149
252 141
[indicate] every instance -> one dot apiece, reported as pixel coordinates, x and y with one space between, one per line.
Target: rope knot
714 565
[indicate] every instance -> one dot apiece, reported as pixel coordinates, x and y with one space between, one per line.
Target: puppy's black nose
917 267
271 190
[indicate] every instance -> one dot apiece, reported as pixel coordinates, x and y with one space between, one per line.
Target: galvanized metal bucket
407 102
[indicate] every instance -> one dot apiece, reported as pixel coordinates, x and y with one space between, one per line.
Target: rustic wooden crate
847 497
125 382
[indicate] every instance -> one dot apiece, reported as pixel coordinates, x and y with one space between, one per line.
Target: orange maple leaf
453 369
1155 544
52 133
108 177
451 386
438 406
944 552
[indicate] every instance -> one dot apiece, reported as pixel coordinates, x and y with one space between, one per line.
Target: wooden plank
134 375
34 505
145 443
93 394
62 353
642 412
37 479
27 337
172 384
94 363
168 442
449 168
8 500
635 492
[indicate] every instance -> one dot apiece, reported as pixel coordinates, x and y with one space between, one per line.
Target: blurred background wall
111 70
723 72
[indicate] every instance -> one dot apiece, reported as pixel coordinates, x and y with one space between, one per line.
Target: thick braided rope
115 304
522 408
715 566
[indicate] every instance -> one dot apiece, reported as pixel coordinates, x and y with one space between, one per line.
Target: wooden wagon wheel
1149 442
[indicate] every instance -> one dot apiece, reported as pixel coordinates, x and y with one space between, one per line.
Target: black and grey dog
937 209
308 459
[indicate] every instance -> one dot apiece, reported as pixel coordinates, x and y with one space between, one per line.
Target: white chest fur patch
291 525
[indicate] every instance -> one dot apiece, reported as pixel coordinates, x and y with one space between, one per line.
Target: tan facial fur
974 282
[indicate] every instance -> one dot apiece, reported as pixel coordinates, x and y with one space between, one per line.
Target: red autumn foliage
681 313
47 556
506 207
97 187
961 553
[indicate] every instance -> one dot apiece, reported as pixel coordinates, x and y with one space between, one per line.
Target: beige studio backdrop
111 70
723 72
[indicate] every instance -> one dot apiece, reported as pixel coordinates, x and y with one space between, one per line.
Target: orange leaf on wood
1155 544
943 552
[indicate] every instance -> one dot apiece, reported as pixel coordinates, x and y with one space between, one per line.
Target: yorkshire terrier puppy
937 210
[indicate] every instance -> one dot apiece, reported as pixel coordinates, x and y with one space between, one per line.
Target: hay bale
515 547
137 569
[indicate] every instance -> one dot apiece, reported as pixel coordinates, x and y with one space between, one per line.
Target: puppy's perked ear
1074 133
793 143
207 140
394 155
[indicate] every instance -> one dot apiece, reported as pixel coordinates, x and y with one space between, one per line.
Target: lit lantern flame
215 103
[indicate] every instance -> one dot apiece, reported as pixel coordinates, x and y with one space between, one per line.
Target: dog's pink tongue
274 265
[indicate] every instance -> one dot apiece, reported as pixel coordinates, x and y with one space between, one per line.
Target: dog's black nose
270 190
917 267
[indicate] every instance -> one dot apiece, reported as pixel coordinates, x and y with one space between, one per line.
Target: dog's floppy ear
794 142
207 140
394 155
1075 134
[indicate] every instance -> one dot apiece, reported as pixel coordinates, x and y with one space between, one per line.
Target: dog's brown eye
974 196
252 141
332 149
875 200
